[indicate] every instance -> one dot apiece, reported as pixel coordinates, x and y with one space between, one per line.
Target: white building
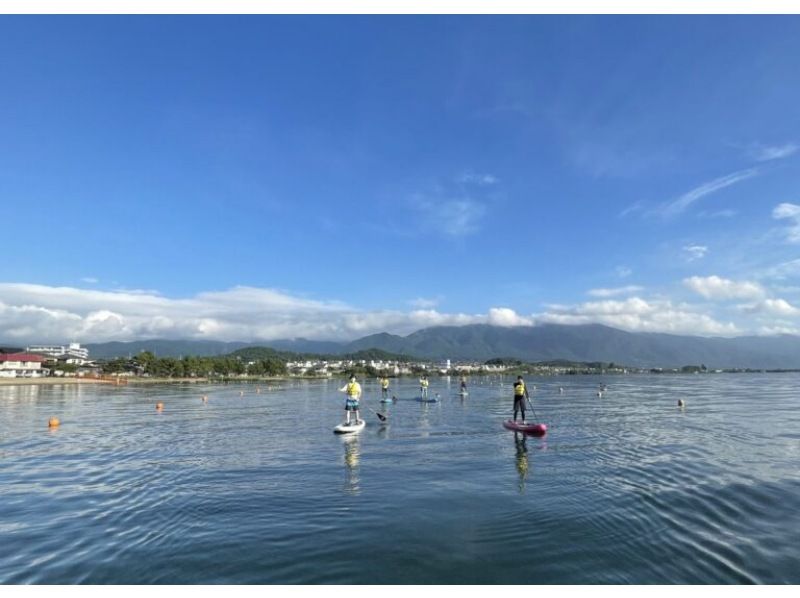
72 350
22 365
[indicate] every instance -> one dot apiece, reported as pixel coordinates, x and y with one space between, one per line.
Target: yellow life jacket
384 383
423 383
519 389
353 389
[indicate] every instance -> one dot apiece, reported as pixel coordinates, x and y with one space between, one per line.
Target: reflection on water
520 441
352 456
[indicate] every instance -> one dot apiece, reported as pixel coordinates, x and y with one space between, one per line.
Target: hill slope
591 342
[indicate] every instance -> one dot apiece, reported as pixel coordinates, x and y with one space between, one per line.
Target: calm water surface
625 488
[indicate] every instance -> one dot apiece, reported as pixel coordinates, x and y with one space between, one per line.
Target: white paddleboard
353 427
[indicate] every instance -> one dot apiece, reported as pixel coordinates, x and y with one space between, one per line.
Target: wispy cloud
627 290
784 270
765 153
455 217
678 206
423 303
89 280
694 252
717 214
790 212
715 287
637 206
623 271
477 179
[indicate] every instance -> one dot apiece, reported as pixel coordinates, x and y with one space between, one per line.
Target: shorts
351 405
519 403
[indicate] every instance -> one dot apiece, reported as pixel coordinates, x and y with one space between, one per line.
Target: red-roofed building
22 365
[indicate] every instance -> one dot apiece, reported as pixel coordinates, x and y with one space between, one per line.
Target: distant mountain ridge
547 342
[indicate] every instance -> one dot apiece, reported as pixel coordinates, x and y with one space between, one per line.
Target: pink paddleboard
534 429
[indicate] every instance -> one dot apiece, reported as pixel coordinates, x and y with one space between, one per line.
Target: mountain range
479 342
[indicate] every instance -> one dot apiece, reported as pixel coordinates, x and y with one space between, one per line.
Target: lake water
257 489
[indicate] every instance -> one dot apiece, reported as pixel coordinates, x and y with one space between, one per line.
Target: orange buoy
159 406
53 422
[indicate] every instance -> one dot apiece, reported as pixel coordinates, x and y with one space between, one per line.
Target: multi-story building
72 350
22 365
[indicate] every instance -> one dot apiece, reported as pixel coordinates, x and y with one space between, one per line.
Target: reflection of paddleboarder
352 454
521 459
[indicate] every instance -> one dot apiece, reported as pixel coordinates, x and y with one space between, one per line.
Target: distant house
22 365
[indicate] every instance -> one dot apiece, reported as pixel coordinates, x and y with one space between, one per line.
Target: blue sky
250 178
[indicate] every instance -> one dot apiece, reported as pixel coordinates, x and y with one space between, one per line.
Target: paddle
531 405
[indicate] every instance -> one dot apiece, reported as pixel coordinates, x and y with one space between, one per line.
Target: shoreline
51 381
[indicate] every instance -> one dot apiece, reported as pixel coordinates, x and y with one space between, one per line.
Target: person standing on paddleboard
353 390
463 385
423 387
384 387
520 394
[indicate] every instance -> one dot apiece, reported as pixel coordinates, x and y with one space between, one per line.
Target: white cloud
623 271
679 205
638 315
764 153
714 287
694 252
38 313
89 280
779 329
775 307
503 316
790 212
614 292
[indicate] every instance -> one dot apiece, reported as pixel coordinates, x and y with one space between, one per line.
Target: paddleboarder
353 390
520 394
463 385
423 387
384 387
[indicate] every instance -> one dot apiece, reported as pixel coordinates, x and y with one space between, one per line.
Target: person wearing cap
353 391
520 394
